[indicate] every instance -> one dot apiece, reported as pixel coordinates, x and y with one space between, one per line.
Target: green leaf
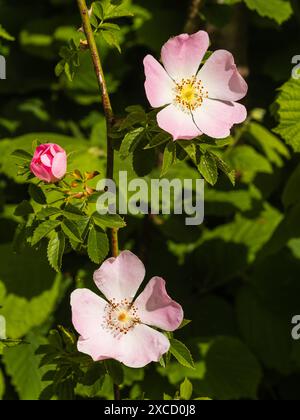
29 289
273 148
91 384
226 169
109 26
227 370
71 230
287 229
181 353
208 168
191 150
291 190
186 390
22 365
73 213
109 221
227 202
265 308
79 219
56 249
169 157
20 237
106 10
70 60
2 385
115 371
228 249
48 212
279 10
112 39
98 10
24 209
43 230
247 163
2 328
37 194
137 117
22 154
98 245
232 370
184 323
5 35
264 331
158 140
144 161
289 114
130 142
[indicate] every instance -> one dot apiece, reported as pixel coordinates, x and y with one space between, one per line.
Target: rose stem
109 116
105 101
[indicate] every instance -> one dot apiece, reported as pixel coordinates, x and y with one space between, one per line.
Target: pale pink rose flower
120 327
49 163
197 101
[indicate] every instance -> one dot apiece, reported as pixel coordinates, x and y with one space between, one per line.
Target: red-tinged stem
109 115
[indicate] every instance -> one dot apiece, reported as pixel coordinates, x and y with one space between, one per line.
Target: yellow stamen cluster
120 317
189 94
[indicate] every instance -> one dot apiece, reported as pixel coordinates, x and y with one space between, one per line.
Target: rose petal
183 54
156 308
216 118
221 78
94 346
55 148
59 165
119 278
177 123
88 311
46 160
41 172
39 151
159 86
89 320
141 346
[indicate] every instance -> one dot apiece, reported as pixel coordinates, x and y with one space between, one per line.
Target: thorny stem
193 19
106 103
108 111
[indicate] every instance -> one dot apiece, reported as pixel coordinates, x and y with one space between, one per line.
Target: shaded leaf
98 245
43 230
55 252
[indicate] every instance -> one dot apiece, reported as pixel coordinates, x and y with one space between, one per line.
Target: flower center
120 317
123 317
189 94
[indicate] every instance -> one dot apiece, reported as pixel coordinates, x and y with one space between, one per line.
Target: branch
192 23
109 115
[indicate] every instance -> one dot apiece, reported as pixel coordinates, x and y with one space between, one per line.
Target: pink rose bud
49 163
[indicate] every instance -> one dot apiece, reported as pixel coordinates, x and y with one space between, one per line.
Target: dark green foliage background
237 275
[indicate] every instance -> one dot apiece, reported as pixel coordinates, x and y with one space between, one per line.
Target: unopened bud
89 190
91 175
79 196
84 44
77 174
